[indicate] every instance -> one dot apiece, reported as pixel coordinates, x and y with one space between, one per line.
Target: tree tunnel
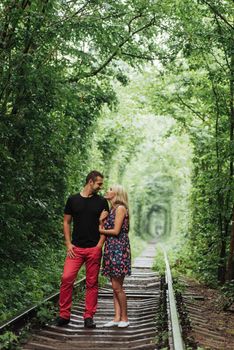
158 221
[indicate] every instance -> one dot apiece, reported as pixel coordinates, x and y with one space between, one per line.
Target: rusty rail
177 343
143 293
20 320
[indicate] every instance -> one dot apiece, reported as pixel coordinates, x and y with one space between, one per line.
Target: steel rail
178 343
17 322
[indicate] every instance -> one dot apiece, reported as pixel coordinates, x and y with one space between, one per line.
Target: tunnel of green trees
140 90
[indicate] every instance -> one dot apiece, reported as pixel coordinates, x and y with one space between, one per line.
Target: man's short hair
92 176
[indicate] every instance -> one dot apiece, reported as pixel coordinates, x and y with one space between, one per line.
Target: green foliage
46 313
159 262
102 281
227 295
57 60
131 136
23 286
8 341
138 244
69 102
196 88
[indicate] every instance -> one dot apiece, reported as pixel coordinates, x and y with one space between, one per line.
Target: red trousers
91 257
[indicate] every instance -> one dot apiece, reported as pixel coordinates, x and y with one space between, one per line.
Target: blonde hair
121 195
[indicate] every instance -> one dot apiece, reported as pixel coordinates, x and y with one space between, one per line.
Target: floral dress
117 255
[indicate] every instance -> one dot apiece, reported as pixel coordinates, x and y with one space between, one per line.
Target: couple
94 224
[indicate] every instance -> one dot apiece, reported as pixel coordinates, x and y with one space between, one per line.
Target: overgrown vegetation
141 90
162 338
57 60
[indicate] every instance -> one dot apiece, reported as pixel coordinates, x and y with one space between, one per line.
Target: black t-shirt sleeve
68 207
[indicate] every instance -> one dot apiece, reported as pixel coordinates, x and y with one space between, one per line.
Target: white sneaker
111 324
123 324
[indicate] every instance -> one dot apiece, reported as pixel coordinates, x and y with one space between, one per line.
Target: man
84 209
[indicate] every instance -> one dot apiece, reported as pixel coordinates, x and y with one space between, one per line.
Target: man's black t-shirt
85 212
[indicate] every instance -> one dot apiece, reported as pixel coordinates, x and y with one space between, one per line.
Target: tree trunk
230 263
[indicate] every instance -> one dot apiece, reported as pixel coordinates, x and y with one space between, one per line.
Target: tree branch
114 53
25 3
214 9
148 58
131 20
68 17
224 48
210 72
117 15
8 31
198 114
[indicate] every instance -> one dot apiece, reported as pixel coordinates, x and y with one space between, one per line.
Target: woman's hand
103 216
101 229
119 218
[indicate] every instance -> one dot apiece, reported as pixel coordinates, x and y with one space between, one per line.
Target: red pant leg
71 268
92 263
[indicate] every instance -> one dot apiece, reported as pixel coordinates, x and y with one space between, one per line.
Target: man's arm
102 219
101 241
67 235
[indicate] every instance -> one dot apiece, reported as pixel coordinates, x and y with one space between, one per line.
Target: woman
117 256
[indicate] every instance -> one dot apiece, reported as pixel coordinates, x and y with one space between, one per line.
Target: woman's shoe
111 324
123 324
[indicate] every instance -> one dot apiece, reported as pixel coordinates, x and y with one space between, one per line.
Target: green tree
196 88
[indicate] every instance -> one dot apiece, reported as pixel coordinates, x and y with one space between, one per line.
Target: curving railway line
155 322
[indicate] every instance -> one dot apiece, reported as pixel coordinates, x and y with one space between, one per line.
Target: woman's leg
121 299
116 306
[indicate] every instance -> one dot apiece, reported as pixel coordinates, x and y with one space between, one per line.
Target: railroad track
143 292
203 323
153 316
146 293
